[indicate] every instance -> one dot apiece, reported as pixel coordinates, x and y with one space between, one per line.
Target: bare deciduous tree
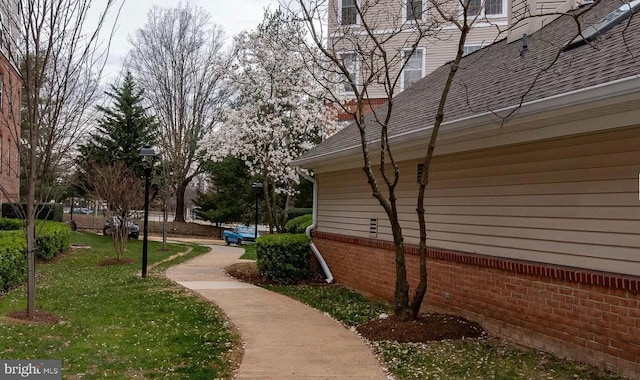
60 58
368 59
179 61
119 186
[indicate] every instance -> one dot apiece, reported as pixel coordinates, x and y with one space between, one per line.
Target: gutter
596 93
314 223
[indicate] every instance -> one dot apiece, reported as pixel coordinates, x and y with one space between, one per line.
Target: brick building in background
10 93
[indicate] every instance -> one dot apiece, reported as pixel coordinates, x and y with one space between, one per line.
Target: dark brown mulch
115 262
247 272
41 316
428 327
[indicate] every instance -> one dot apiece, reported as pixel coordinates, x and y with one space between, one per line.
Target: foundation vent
420 170
373 227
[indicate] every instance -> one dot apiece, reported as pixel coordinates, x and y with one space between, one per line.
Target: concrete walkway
283 339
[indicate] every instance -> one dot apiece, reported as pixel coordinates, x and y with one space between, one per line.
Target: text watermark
31 369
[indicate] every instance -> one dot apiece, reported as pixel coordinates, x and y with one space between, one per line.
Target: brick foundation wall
587 316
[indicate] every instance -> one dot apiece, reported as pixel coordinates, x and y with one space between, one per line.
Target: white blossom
278 109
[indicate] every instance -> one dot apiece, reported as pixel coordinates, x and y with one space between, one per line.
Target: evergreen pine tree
123 128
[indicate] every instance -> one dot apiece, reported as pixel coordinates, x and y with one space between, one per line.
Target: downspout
314 223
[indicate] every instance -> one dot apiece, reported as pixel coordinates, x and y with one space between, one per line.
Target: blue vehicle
240 234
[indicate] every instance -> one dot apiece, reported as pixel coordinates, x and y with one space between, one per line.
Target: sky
233 16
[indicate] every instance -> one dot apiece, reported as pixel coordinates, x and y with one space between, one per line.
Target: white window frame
475 46
483 9
356 74
422 68
358 3
406 11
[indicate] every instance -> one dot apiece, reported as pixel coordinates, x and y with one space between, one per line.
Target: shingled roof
498 76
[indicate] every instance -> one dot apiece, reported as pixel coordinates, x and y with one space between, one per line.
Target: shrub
7 224
283 258
13 259
299 225
51 239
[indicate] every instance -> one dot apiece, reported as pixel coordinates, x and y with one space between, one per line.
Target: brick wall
587 316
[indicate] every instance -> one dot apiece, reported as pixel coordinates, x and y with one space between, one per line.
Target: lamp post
257 186
148 155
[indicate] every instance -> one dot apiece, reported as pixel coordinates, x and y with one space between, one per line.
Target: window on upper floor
1 152
348 12
414 69
414 10
470 48
487 8
352 64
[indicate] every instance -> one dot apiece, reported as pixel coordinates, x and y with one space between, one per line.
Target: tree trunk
31 216
31 256
164 226
180 191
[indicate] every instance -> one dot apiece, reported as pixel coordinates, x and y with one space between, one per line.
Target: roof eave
530 111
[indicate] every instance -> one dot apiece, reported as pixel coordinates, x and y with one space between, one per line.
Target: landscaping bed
435 346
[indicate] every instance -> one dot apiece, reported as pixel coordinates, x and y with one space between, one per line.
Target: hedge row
51 239
13 259
7 224
284 258
299 225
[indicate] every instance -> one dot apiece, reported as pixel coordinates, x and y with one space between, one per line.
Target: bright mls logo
31 369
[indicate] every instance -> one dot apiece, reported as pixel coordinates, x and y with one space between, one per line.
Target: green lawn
116 324
249 252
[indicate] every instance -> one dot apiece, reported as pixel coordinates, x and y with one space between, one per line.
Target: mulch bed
248 272
40 316
426 328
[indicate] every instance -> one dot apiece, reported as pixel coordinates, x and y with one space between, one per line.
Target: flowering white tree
278 111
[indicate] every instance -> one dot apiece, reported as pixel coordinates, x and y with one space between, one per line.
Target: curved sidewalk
283 338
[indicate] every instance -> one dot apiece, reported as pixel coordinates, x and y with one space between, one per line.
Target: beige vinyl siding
528 16
437 51
387 15
571 201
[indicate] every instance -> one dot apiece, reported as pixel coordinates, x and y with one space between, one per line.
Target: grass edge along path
115 324
478 359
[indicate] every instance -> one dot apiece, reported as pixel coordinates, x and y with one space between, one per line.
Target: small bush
52 238
13 259
299 225
283 258
7 224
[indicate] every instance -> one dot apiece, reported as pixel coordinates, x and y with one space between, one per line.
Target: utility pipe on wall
316 252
